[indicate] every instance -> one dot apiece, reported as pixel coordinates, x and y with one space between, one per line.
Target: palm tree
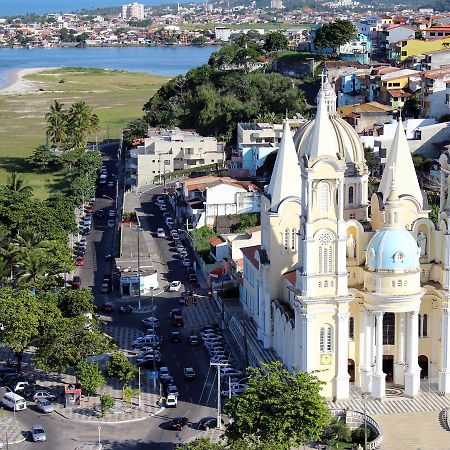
81 120
33 268
15 185
27 241
57 123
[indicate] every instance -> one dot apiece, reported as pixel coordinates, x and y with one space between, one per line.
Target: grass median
116 96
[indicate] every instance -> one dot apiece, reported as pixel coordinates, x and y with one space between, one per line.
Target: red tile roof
216 240
250 252
291 277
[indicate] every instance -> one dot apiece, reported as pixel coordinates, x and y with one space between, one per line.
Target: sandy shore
17 84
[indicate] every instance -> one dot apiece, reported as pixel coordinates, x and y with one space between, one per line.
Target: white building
222 34
276 4
166 151
133 11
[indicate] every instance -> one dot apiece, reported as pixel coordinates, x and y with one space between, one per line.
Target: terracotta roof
399 93
250 252
216 240
437 73
363 107
291 277
253 229
441 28
202 183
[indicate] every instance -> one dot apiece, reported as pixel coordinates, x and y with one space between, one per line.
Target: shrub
106 402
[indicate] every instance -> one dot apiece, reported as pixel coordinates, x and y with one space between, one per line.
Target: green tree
20 316
444 118
33 269
418 34
74 303
129 393
16 189
203 444
338 430
121 368
275 41
42 157
371 161
334 34
90 376
411 107
56 120
278 408
81 120
107 402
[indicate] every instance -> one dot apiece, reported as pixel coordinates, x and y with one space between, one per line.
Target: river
164 60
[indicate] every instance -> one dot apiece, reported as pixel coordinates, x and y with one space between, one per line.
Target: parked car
193 340
106 284
44 406
169 221
160 233
151 322
149 340
112 213
76 282
43 395
111 223
186 262
175 312
79 261
163 372
207 422
171 401
107 307
162 206
174 286
175 336
188 373
18 385
172 389
177 423
178 321
38 433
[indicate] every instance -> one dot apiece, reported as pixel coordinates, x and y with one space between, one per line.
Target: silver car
44 406
38 433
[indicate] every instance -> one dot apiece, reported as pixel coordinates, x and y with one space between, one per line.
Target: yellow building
412 47
394 87
360 300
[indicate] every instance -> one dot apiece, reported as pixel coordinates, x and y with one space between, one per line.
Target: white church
357 298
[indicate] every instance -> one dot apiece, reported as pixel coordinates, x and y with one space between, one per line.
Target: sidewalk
11 432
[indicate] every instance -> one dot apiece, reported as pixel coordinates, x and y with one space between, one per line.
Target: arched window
425 326
419 327
326 339
351 328
350 194
286 238
393 283
293 238
326 253
324 201
389 329
395 217
399 283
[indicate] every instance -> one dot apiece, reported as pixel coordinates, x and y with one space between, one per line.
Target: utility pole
139 266
153 333
219 407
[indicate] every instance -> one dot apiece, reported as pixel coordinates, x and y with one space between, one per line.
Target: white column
309 205
366 373
297 337
340 188
412 372
342 376
309 347
361 344
399 365
442 192
379 378
444 371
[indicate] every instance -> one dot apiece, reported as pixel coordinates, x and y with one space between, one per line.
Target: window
419 326
432 33
395 217
389 329
399 283
352 216
326 339
350 194
324 197
293 238
351 328
425 326
393 283
286 238
326 253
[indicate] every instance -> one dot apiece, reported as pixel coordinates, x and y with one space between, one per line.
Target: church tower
280 211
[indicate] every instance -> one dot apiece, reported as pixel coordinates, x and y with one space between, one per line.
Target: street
198 397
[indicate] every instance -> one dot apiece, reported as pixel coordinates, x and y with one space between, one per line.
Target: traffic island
11 432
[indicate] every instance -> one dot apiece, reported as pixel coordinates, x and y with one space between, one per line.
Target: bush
358 435
106 402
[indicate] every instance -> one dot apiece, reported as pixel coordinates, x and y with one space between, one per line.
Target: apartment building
133 11
166 151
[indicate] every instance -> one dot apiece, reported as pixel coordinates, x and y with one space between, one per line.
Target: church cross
323 77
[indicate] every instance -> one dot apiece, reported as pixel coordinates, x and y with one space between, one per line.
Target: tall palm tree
33 268
57 123
27 241
81 120
15 184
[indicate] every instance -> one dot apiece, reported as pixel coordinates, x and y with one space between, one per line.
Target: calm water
14 7
168 60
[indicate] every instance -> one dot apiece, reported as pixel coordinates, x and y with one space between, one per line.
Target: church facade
354 298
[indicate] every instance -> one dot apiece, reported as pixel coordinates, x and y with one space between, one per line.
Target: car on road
189 373
106 283
43 395
163 373
79 261
177 321
175 312
167 381
193 340
107 307
112 213
230 371
171 401
151 362
151 322
38 433
233 391
186 262
169 221
162 206
178 423
110 184
44 406
147 340
175 336
172 389
193 278
174 286
183 297
207 422
100 213
111 223
160 233
76 282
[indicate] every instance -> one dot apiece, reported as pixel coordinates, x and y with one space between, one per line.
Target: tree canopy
275 41
213 101
278 409
334 34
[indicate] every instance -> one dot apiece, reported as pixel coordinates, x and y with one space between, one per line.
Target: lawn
117 97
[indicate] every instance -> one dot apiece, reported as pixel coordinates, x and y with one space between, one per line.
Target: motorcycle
127 309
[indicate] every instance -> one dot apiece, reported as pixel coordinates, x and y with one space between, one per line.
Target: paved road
197 397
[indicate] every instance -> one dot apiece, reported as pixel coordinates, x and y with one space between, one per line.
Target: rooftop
363 107
250 252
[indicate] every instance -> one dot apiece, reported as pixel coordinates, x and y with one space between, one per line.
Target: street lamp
138 229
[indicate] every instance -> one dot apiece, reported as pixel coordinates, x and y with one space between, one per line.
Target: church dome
393 249
342 139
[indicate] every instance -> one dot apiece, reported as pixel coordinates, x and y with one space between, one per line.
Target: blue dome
393 249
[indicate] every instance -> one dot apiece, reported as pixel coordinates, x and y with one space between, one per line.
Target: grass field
245 26
117 97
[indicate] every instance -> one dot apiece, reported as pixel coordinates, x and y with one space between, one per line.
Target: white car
163 372
188 373
160 233
44 406
162 207
174 286
169 221
180 248
171 401
186 262
151 322
38 433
